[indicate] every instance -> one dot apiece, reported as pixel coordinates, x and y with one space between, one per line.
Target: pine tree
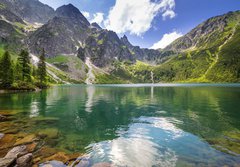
25 64
17 72
42 73
6 73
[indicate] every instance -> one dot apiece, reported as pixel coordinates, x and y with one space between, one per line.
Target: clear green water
138 125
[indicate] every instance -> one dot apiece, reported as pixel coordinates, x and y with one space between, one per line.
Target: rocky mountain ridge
69 40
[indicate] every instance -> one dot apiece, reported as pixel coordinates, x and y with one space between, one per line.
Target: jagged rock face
96 26
9 35
204 33
71 12
147 55
30 10
58 36
104 47
63 34
9 16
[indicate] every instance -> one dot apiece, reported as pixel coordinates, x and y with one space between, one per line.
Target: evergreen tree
6 69
17 72
25 64
42 73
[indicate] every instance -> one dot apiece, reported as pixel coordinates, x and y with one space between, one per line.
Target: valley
208 53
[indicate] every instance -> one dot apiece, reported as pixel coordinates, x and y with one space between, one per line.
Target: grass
58 59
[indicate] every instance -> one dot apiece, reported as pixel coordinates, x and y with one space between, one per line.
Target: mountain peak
95 25
70 11
125 40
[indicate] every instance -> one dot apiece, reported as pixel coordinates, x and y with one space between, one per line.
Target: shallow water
137 125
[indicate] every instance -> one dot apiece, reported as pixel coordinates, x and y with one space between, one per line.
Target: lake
135 125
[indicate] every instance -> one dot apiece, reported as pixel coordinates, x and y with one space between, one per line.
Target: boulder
17 152
7 162
25 161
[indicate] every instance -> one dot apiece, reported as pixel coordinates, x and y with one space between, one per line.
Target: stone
45 119
51 133
7 162
7 141
3 118
17 152
26 140
60 156
45 152
74 156
31 147
25 161
83 162
1 135
102 164
52 164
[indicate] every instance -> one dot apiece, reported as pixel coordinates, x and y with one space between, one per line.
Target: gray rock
6 162
1 135
25 161
52 164
2 118
17 152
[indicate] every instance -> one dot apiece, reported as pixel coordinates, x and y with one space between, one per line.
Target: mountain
32 11
77 50
208 53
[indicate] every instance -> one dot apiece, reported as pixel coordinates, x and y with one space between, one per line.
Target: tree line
22 74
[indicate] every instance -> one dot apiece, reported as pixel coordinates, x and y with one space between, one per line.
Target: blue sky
150 23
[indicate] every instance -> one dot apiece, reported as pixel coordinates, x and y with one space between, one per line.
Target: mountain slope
78 51
32 11
209 53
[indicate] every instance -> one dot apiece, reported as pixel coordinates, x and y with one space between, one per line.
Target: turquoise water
138 125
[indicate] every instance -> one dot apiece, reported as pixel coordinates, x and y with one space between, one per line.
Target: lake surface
137 125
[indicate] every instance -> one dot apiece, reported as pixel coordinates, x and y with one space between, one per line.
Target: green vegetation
58 59
109 79
42 72
2 6
6 72
20 74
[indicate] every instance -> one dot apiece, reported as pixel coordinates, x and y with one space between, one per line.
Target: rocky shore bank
19 148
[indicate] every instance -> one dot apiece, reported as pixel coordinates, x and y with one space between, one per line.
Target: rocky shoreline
19 148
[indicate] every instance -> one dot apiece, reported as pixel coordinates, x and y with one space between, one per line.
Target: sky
149 23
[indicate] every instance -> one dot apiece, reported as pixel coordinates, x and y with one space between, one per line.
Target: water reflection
137 126
90 95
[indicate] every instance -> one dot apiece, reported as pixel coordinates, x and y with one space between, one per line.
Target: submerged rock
60 156
25 161
45 120
26 140
51 133
7 141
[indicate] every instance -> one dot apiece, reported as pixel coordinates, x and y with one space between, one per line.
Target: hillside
209 53
76 49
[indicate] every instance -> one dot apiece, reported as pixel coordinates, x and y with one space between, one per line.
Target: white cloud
168 13
166 40
98 18
86 14
136 16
